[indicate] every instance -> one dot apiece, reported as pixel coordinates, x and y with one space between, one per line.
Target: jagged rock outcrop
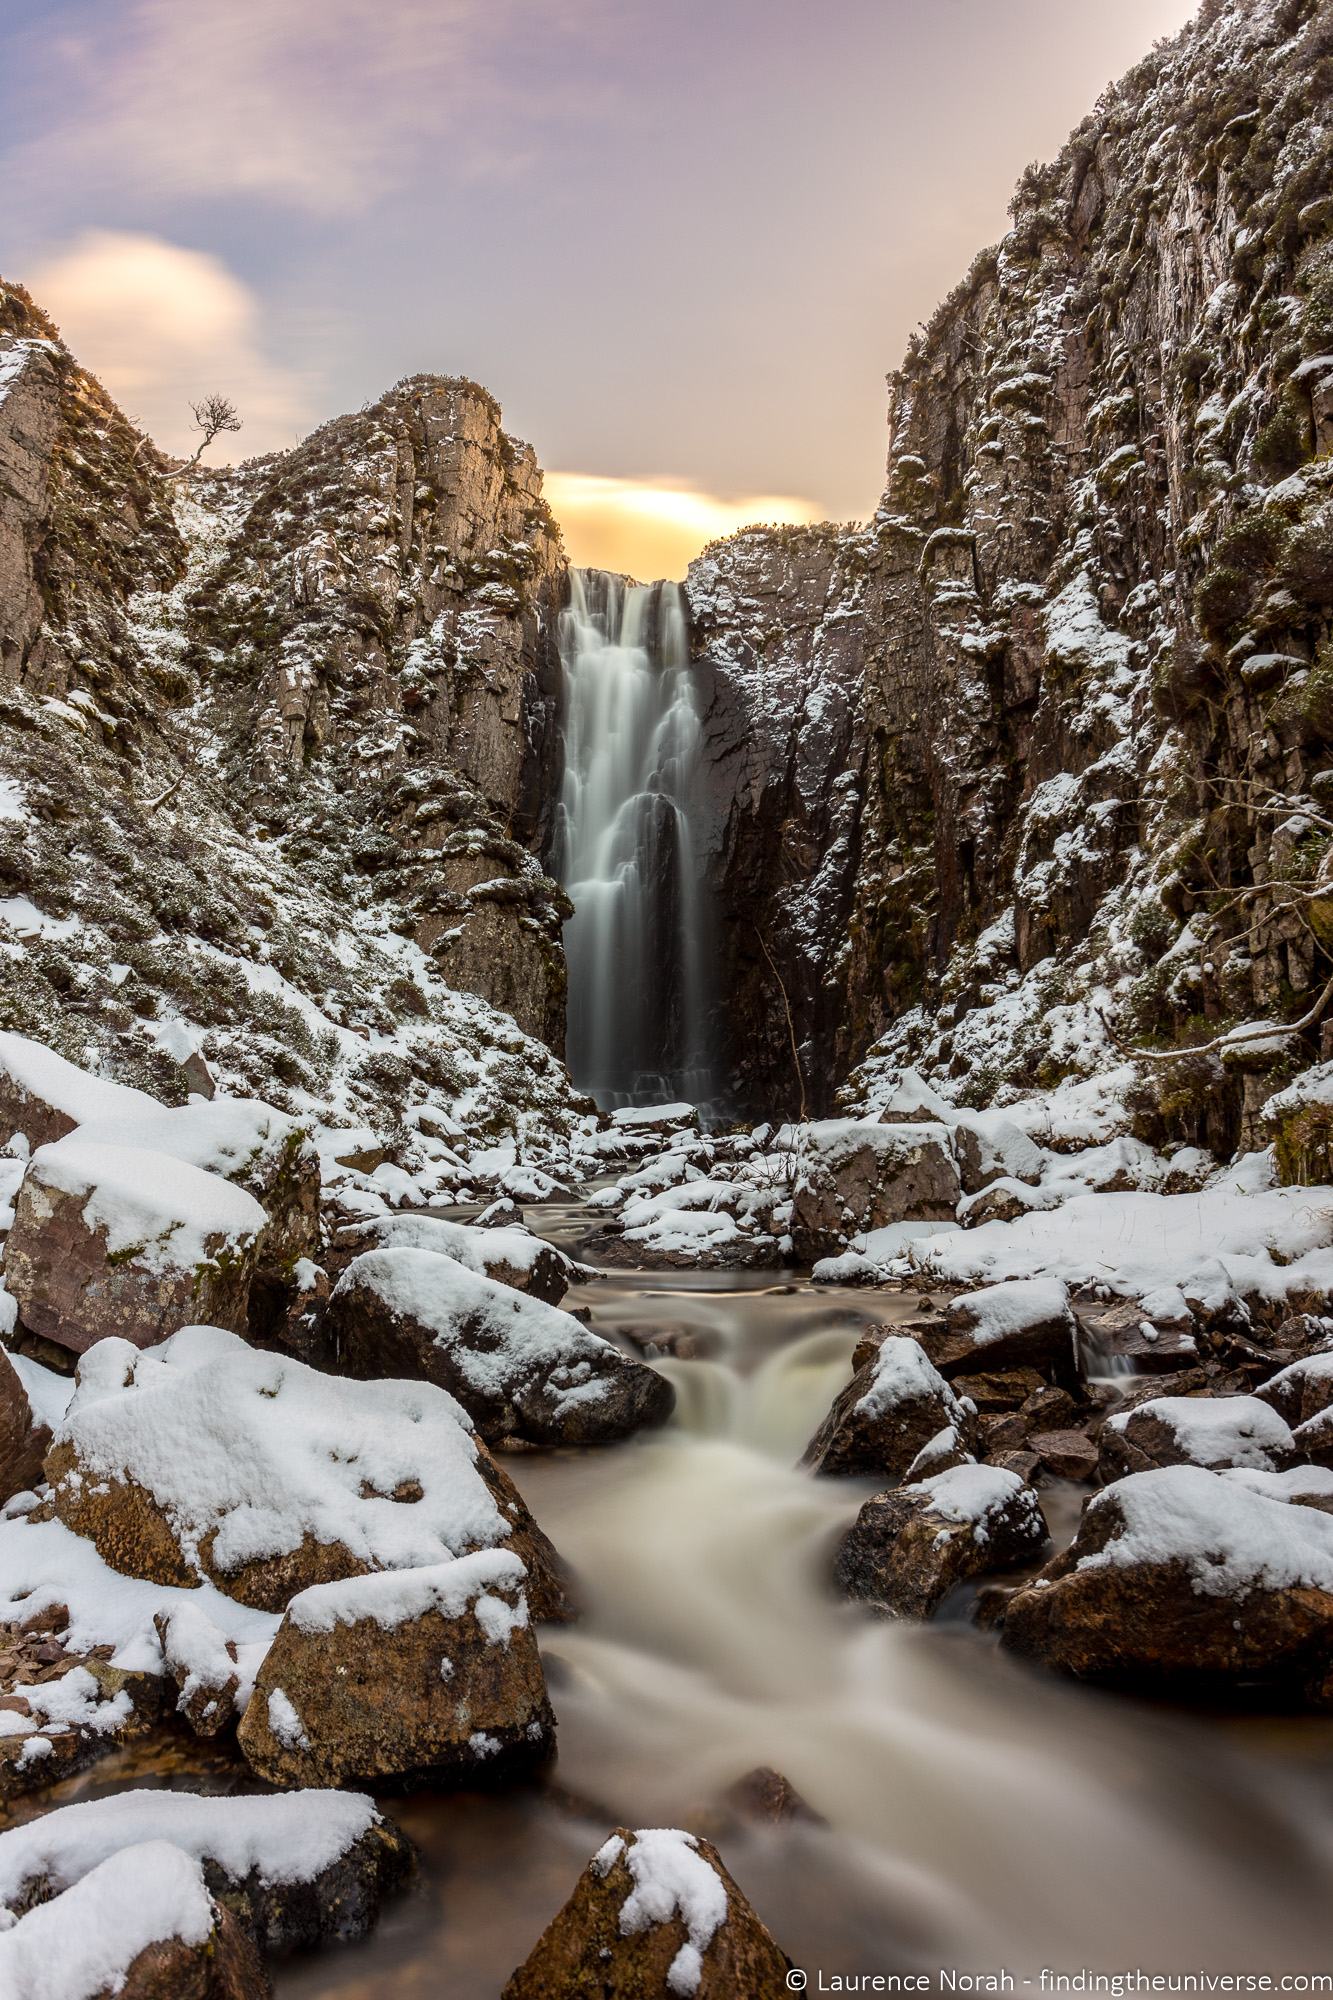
1056 719
305 727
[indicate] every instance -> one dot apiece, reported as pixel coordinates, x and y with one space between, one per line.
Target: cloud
322 104
650 528
163 326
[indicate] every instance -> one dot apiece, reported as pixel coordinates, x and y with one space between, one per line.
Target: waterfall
636 944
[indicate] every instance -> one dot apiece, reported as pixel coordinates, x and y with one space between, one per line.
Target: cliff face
273 752
1053 732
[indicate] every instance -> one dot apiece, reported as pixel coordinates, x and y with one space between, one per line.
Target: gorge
729 1173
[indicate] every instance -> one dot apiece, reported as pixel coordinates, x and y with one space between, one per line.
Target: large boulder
141 1925
206 1459
118 1240
892 1408
857 1175
1212 1431
417 1675
299 1869
1023 1323
507 1254
655 1913
23 1438
1181 1572
1301 1391
906 1550
521 1369
990 1148
260 1149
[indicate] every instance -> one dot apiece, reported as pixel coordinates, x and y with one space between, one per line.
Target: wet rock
1023 1323
654 1913
1212 1431
907 1550
1068 1454
117 1240
1181 1572
1001 1391
764 1794
23 1440
421 1675
1049 1410
141 1925
889 1411
859 1176
520 1368
298 1870
167 1459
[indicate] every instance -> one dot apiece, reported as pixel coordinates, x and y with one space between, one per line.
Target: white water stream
636 944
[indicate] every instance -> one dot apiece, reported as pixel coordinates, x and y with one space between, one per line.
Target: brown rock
868 1175
23 1440
897 1404
1162 1580
1302 1390
612 1940
1068 1454
131 1270
1025 1323
906 1550
1005 1390
764 1794
201 1661
411 1675
1212 1431
520 1368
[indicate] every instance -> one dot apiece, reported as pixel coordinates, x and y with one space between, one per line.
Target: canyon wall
1052 735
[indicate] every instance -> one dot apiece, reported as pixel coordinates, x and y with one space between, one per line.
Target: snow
42 1074
671 1880
48 1393
262 1452
1219 1430
634 1117
477 1250
1011 1307
13 804
397 1597
285 1722
1230 1538
74 1701
281 1838
82 1944
170 1216
495 1336
973 1493
43 1564
194 1648
903 1373
1233 1239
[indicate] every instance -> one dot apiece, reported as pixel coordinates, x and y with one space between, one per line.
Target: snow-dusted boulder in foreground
654 1913
520 1368
906 1550
422 1675
890 1410
1181 1572
206 1459
141 1925
299 1869
1212 1431
858 1175
1026 1323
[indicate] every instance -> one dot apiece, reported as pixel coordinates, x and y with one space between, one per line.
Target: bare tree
213 416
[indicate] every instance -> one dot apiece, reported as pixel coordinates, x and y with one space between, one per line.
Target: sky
682 241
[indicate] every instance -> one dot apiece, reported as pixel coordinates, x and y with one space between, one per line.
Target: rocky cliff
275 754
1052 734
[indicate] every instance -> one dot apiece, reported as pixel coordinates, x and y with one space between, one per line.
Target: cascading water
636 944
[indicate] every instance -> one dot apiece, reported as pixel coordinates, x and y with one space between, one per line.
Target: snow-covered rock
426 1674
893 1407
858 1175
204 1458
510 1255
1181 1572
654 1912
302 1868
1212 1431
1024 1323
520 1368
907 1550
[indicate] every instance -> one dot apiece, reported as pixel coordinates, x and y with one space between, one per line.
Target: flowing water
637 943
980 1815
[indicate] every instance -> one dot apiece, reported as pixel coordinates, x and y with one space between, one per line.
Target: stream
979 1814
